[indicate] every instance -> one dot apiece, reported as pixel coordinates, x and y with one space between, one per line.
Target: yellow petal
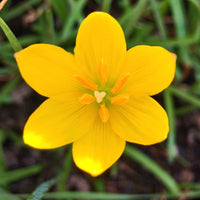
100 40
56 123
151 69
97 150
47 68
141 121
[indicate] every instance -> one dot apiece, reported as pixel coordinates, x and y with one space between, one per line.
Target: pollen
86 82
103 71
86 99
119 99
104 113
99 96
120 83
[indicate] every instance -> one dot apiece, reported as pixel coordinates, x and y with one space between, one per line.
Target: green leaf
11 37
41 190
171 140
153 167
15 175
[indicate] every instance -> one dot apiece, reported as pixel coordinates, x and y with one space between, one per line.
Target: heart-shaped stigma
99 96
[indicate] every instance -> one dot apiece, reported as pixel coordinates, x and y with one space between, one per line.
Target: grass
174 25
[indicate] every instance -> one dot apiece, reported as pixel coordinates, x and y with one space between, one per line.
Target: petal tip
174 56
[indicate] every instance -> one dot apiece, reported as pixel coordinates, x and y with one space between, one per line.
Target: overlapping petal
47 68
140 120
100 39
151 69
58 122
98 149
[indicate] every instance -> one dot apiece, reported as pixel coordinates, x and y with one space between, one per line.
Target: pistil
99 96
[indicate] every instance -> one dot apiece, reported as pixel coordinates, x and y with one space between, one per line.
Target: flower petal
152 69
141 121
100 41
57 122
97 150
46 68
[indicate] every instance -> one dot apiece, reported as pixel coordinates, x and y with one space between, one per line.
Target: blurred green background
170 170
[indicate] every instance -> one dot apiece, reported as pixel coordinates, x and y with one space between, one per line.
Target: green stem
169 104
11 37
153 167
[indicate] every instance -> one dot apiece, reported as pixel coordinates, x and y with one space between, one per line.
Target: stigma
99 96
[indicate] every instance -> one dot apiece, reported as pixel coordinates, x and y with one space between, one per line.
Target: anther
120 83
86 82
103 71
119 99
104 113
86 99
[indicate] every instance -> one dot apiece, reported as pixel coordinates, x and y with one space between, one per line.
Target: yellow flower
98 98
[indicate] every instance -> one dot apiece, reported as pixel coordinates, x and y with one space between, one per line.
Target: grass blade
171 140
153 167
41 190
11 37
15 175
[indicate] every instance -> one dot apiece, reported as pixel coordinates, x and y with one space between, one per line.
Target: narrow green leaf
18 10
195 194
158 17
51 34
129 20
184 95
180 26
61 8
41 190
8 196
171 140
15 175
75 16
106 4
153 167
11 37
66 170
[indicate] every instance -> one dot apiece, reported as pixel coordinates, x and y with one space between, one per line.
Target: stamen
86 82
86 98
104 113
103 71
120 83
99 96
119 99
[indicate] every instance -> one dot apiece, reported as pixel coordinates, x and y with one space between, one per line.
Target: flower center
104 99
99 96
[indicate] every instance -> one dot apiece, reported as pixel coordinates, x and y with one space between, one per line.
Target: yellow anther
86 82
120 83
104 113
119 99
99 96
103 71
86 99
